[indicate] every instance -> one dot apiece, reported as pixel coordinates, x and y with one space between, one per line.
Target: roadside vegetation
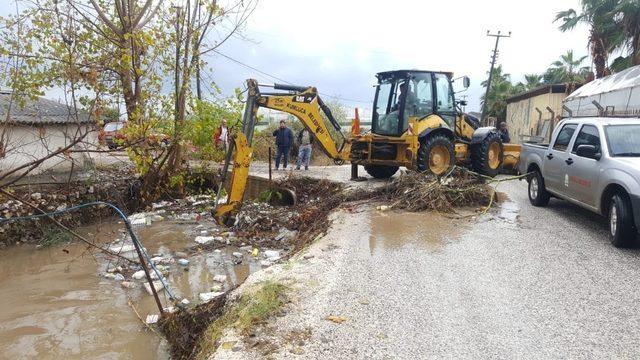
112 61
191 336
54 235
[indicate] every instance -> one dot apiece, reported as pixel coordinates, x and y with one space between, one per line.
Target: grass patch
53 235
252 309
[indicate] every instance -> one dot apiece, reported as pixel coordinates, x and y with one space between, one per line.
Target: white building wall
26 144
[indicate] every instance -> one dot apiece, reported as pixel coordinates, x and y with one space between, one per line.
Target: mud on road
519 281
175 232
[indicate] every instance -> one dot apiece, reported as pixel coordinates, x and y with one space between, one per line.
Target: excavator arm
302 102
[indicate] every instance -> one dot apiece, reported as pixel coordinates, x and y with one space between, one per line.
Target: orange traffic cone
355 125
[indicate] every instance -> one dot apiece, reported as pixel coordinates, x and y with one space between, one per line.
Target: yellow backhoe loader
416 123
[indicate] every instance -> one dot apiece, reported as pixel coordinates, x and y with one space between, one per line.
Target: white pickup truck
594 163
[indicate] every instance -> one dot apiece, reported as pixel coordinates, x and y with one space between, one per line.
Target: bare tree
193 21
99 50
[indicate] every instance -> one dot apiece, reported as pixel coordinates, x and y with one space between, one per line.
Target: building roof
628 78
39 112
544 89
617 94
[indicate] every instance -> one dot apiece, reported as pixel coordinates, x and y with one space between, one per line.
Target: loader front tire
436 155
487 155
380 171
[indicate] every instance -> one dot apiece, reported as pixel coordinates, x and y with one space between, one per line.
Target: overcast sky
339 45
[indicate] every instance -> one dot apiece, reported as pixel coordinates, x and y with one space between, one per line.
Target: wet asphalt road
547 285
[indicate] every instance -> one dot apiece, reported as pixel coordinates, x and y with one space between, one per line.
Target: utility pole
494 56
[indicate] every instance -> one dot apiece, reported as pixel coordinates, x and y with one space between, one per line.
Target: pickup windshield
113 126
623 140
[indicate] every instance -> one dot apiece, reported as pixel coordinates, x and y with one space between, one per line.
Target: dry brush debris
414 191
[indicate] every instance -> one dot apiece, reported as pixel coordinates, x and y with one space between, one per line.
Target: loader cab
410 93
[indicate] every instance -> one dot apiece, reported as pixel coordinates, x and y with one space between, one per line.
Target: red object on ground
355 124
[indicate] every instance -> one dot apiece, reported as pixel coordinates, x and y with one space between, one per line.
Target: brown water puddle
54 304
393 230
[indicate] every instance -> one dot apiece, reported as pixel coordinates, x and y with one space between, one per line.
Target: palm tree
568 69
626 15
532 81
501 89
603 32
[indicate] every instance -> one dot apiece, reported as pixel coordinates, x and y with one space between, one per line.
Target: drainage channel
64 301
58 303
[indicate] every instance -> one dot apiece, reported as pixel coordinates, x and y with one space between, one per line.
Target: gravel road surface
522 282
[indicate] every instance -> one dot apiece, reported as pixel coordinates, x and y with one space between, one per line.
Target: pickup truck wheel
487 156
538 195
380 171
621 227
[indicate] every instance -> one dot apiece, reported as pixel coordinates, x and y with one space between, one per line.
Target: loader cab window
397 99
388 107
419 100
444 92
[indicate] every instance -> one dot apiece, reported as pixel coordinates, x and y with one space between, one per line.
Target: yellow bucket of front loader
511 156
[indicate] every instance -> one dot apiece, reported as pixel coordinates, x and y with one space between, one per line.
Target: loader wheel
487 156
380 171
436 155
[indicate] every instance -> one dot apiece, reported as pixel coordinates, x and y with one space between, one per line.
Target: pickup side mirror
588 151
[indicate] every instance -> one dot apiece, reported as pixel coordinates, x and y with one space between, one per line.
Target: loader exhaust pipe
290 87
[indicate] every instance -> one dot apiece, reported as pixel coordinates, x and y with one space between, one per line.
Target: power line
280 79
251 67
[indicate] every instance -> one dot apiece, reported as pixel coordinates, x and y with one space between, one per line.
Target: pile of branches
315 200
415 191
309 190
260 223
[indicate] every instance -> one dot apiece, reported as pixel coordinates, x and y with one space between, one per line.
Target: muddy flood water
425 231
55 304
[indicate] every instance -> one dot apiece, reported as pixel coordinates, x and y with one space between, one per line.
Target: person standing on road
305 140
222 136
284 140
504 133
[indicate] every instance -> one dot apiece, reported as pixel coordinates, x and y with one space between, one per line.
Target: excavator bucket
224 214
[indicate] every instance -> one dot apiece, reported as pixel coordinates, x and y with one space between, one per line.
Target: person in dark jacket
504 133
284 140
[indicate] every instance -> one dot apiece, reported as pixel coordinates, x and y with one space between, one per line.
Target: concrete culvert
283 197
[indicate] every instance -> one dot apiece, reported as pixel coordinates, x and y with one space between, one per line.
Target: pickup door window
564 137
554 168
588 135
583 172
